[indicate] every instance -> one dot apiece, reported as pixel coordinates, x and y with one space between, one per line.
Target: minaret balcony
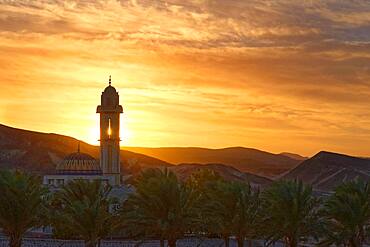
109 109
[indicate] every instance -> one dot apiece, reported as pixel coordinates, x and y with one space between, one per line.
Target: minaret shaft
110 111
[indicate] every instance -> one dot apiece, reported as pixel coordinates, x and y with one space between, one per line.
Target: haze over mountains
244 159
227 172
294 156
40 152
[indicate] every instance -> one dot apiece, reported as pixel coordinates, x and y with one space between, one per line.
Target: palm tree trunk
172 242
240 241
161 242
250 243
90 243
353 243
291 242
227 241
15 240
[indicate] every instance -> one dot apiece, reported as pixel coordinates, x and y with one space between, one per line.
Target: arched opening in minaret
109 129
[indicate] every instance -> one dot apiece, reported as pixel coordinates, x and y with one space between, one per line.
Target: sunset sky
274 75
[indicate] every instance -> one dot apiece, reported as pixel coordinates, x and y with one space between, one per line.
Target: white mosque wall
58 180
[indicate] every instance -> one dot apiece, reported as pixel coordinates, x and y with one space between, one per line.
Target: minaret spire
110 111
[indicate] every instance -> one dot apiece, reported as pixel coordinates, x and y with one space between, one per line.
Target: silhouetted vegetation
290 213
347 215
161 207
81 209
22 204
231 209
165 208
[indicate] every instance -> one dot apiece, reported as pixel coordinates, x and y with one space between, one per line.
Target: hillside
327 170
227 172
40 152
244 159
294 156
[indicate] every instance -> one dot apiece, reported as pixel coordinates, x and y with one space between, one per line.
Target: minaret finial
110 80
78 148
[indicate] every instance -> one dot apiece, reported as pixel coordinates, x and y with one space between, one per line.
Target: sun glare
109 131
94 133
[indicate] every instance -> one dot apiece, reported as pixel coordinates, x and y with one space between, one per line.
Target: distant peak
333 155
294 156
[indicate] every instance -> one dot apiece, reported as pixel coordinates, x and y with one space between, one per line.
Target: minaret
110 111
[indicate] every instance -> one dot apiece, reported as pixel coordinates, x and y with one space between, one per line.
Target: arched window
109 131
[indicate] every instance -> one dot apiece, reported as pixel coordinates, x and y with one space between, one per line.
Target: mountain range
184 171
327 170
244 159
40 152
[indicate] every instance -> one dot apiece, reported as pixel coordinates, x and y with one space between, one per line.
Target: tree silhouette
161 207
82 209
290 212
347 215
22 204
231 208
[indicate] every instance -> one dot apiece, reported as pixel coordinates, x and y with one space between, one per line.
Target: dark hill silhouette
294 156
227 172
244 159
40 152
327 170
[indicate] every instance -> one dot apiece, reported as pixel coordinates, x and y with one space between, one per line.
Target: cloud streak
267 74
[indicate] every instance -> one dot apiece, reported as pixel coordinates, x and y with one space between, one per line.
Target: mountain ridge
294 156
227 172
39 152
326 170
50 148
244 159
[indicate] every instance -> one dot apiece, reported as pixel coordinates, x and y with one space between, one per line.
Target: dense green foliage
347 215
205 205
82 210
231 209
22 204
162 207
290 213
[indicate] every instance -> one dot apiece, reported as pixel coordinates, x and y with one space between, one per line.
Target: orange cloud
280 76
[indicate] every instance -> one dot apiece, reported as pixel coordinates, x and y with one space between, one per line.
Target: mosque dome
79 164
109 100
110 90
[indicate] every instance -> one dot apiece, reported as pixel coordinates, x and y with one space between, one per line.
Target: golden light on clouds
275 75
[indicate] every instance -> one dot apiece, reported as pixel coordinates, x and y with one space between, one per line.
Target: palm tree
201 179
161 207
290 212
82 209
347 215
22 204
231 208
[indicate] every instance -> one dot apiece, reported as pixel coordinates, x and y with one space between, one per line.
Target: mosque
78 165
